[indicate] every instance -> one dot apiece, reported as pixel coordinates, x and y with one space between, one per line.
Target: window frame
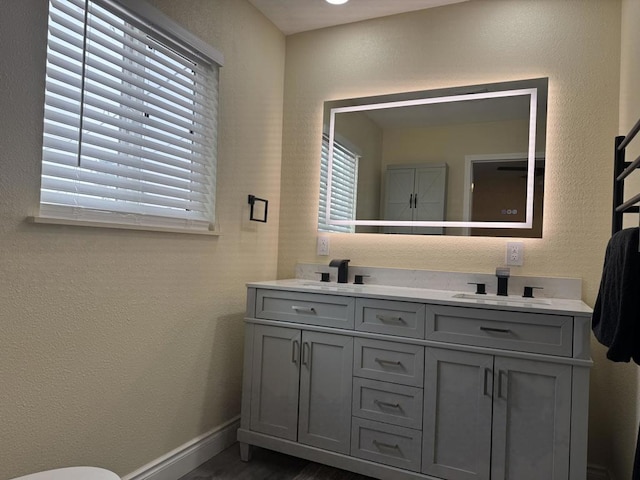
162 30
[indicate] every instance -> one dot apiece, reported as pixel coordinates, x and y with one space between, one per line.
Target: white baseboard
595 472
189 456
194 453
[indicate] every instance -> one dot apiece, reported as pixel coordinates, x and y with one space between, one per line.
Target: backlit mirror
456 161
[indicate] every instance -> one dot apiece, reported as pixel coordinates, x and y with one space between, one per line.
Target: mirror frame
531 152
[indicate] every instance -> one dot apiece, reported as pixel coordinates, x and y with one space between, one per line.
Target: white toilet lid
72 473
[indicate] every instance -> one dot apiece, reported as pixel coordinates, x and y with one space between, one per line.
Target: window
344 187
130 124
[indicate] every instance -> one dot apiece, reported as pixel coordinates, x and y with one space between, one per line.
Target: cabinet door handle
295 351
501 384
386 404
388 362
415 200
306 354
386 445
487 373
389 319
299 309
411 200
495 330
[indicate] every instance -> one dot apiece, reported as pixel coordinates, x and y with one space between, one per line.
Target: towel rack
622 169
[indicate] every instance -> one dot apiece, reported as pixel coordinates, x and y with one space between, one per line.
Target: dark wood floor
265 465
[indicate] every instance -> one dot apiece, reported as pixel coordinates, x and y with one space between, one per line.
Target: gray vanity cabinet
494 417
301 386
396 387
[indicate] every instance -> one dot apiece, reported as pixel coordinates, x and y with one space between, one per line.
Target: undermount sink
480 298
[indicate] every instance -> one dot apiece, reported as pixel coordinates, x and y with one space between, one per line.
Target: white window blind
344 187
130 124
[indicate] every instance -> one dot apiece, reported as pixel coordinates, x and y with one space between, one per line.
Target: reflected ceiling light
337 2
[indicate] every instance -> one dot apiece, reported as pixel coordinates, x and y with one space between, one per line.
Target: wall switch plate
515 254
322 246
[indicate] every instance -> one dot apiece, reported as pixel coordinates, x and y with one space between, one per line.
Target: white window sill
119 226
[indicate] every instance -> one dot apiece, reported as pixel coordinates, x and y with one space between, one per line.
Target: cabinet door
457 415
531 420
275 381
430 190
399 195
325 391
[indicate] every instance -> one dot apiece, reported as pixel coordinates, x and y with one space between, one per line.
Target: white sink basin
498 299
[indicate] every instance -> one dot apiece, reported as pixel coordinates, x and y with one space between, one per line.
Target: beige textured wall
576 43
119 346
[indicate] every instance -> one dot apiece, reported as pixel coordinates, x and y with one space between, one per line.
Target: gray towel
616 315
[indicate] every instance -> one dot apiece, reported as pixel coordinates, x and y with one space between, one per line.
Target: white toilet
72 473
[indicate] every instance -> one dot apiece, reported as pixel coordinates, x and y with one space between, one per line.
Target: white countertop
558 306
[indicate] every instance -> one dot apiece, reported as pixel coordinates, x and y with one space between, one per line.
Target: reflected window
344 187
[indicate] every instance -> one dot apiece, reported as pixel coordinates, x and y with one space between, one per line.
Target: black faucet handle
480 288
324 276
358 279
528 291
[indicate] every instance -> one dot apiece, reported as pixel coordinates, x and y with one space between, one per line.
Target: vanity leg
245 451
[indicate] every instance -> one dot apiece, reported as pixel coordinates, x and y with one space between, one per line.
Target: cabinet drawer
387 444
389 361
404 319
525 332
326 310
387 402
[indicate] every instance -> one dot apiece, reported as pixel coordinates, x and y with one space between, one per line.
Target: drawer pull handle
388 362
495 330
388 319
299 309
386 404
386 445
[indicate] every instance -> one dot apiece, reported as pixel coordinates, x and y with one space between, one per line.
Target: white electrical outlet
322 246
515 254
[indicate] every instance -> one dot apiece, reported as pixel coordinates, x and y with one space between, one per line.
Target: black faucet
503 281
343 269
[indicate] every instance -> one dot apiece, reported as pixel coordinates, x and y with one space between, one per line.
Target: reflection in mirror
457 161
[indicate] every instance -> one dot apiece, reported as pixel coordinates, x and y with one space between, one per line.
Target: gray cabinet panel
388 444
387 402
389 361
275 381
524 332
531 420
325 391
311 308
457 415
404 319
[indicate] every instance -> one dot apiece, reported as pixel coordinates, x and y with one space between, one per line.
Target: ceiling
294 16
